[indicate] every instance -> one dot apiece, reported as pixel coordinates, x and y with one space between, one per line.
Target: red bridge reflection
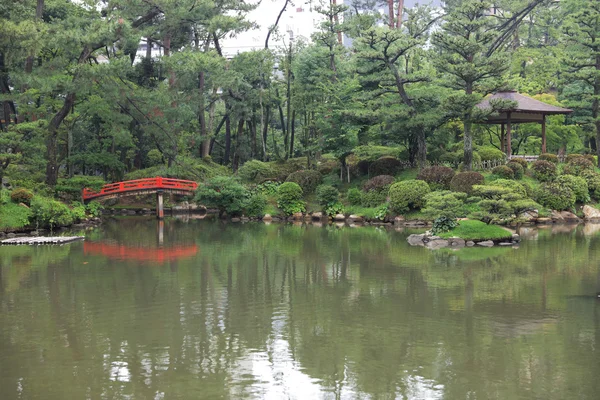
122 252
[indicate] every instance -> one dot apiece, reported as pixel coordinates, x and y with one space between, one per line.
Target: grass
477 230
13 216
365 212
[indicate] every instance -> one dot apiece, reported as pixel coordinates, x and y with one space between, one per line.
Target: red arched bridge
158 185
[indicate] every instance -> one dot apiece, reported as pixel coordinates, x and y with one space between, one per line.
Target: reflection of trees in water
358 310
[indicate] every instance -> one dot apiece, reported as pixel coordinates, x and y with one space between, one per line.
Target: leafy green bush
489 192
289 198
49 213
154 157
437 177
464 181
224 193
520 161
444 204
268 188
516 187
21 196
571 157
555 196
385 166
327 194
577 184
255 171
577 165
377 183
521 206
443 224
333 209
354 196
4 196
517 169
593 181
372 153
373 198
14 216
488 153
307 179
493 209
552 158
94 208
407 195
544 171
503 171
78 210
256 204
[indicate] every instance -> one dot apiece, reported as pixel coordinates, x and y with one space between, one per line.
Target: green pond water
202 309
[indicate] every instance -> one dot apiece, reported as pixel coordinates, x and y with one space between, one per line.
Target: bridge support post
160 211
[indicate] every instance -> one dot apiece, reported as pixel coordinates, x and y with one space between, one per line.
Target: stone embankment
435 242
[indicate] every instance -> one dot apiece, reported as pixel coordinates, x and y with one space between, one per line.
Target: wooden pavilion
525 110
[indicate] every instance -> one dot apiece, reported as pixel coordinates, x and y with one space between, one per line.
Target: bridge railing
140 184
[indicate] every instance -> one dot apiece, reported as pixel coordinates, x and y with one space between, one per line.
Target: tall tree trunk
468 144
399 14
8 106
39 10
265 131
227 140
205 145
238 137
337 22
293 129
52 140
288 103
391 13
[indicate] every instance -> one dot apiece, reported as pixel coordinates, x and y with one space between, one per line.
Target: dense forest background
75 99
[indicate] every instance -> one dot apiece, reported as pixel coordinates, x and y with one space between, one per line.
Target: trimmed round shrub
577 184
553 158
520 161
385 166
327 194
255 171
289 198
555 196
256 204
593 159
378 183
571 157
307 179
373 198
408 195
544 171
354 196
21 196
464 181
444 203
488 153
224 193
517 169
503 172
437 177
577 165
593 181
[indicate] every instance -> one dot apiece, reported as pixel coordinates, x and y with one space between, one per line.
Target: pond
202 309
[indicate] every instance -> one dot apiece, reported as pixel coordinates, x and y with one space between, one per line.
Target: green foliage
443 224
224 193
444 204
255 206
438 177
408 195
333 209
74 186
78 211
372 153
378 183
373 198
382 211
94 208
13 216
354 196
268 188
289 198
577 165
521 206
555 196
21 196
154 157
385 166
255 171
520 161
517 169
552 158
464 181
577 184
327 195
593 181
516 187
544 171
503 171
489 153
49 213
4 196
307 179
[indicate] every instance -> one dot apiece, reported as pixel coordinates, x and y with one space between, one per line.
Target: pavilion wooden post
543 133
508 138
160 211
502 139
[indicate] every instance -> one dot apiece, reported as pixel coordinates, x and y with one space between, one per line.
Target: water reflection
286 311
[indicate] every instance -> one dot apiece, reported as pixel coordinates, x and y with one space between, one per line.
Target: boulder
416 240
356 218
267 217
317 216
399 220
437 244
590 213
339 217
235 219
529 215
470 243
298 216
556 216
456 242
11 235
505 244
544 220
486 243
569 216
516 237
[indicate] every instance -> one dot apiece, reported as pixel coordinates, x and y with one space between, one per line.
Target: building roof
526 110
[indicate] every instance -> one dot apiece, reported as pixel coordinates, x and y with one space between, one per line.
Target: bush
503 171
94 208
577 184
327 165
256 204
407 195
307 179
571 157
555 196
488 153
289 198
255 171
21 196
517 169
373 198
544 171
372 153
49 213
464 181
577 165
553 158
593 181
516 187
385 166
443 224
444 204
520 161
381 182
154 157
78 210
354 196
4 196
493 192
437 177
334 209
74 186
327 195
224 193
593 159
